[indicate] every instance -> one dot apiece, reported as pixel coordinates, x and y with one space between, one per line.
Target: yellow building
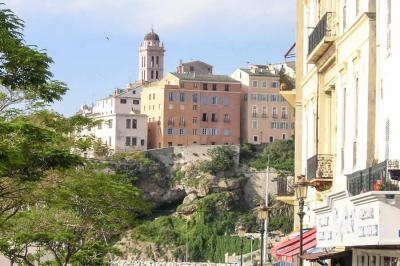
340 134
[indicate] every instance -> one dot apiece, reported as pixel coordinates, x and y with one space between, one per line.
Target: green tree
76 217
222 159
25 76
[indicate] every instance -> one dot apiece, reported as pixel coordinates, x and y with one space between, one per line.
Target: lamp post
301 193
262 216
241 234
251 248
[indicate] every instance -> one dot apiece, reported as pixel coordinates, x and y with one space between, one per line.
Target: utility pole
266 220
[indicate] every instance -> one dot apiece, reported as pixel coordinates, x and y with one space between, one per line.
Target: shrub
222 159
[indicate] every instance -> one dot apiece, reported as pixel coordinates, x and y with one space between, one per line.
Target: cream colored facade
347 123
265 115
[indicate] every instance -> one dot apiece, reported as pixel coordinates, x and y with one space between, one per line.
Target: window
226 100
194 120
181 121
264 84
195 98
215 100
344 14
205 117
214 87
128 123
135 102
134 123
254 124
152 74
274 84
283 136
171 96
156 74
204 131
152 61
284 113
169 144
213 131
157 60
110 123
226 118
264 111
389 26
255 138
254 111
127 141
194 131
191 68
271 139
134 92
226 132
195 107
227 86
142 140
213 117
123 101
134 141
182 97
181 131
169 131
274 113
204 100
254 83
205 86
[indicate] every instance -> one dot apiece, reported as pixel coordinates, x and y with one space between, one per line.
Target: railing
320 166
170 123
380 177
284 116
323 29
264 115
254 115
274 116
285 186
227 120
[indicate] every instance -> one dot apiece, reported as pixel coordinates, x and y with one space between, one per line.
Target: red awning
288 248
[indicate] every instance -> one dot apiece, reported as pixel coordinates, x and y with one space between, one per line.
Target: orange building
189 109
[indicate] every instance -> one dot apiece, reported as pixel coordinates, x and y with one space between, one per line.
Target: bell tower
151 58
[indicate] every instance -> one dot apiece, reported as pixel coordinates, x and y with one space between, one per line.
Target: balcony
285 189
254 115
320 169
289 93
227 120
321 38
381 177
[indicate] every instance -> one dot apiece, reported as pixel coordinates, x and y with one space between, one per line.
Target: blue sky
224 33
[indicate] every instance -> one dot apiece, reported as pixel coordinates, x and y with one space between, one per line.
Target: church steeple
151 58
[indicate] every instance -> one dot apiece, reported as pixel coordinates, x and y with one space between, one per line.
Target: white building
123 128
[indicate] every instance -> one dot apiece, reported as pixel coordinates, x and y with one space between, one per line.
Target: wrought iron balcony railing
324 28
285 186
384 176
320 166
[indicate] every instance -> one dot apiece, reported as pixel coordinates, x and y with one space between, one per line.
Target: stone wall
181 155
155 263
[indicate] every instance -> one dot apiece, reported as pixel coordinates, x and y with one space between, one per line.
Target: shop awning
290 247
324 255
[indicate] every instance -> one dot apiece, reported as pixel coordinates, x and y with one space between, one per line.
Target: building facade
345 127
122 127
151 58
265 114
190 109
197 67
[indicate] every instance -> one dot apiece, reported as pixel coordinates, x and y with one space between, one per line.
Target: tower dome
152 36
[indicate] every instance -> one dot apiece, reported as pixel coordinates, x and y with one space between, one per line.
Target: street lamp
251 248
241 233
301 187
262 216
